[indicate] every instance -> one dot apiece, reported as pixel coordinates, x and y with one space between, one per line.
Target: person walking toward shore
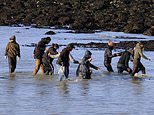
38 53
83 69
64 61
138 53
12 51
108 56
123 63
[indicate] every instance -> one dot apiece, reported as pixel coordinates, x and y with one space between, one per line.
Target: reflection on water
109 94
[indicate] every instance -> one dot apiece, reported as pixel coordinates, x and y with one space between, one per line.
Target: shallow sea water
105 94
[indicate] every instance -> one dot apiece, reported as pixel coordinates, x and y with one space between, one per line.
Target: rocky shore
148 45
131 16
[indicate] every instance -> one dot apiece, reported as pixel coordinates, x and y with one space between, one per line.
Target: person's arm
93 66
117 54
72 59
18 51
54 56
7 49
142 55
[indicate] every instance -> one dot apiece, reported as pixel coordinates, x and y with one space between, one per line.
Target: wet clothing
137 65
38 54
108 58
83 69
47 60
123 63
64 57
38 65
12 51
40 48
64 62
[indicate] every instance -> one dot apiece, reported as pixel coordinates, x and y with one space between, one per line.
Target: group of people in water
44 57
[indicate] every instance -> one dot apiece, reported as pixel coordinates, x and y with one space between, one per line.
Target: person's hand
5 57
76 62
117 54
98 68
131 60
149 59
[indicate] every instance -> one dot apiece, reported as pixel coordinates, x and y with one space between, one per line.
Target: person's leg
51 69
120 70
14 63
60 73
37 66
109 68
129 70
10 64
135 68
88 75
66 72
42 68
142 68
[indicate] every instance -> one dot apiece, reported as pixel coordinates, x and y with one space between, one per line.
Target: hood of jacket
87 54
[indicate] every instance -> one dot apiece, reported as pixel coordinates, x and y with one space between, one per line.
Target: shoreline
148 45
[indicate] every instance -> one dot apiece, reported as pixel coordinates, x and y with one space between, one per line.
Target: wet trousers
38 64
138 66
48 67
63 72
12 64
109 67
124 68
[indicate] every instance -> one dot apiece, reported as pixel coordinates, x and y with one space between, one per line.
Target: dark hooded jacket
64 57
124 59
83 69
40 48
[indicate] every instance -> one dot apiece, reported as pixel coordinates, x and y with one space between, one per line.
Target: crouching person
64 62
123 63
48 58
83 69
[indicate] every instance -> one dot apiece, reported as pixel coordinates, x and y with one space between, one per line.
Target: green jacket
138 53
12 49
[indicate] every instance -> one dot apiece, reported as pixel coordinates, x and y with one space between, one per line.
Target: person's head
130 50
70 46
141 45
56 46
13 38
87 54
46 40
110 43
